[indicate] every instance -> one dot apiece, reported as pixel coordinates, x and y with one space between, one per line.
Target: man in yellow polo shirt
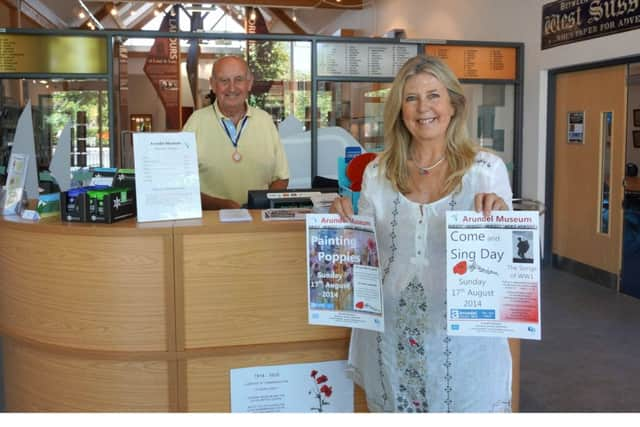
239 148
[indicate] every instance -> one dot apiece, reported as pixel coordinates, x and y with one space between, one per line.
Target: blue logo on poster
315 316
455 327
531 329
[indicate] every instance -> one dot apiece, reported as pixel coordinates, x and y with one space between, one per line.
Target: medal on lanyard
236 156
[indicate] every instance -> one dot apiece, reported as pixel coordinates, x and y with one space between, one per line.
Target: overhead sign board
570 21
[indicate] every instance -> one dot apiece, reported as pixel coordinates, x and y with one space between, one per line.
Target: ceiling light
113 10
252 16
156 12
294 17
81 15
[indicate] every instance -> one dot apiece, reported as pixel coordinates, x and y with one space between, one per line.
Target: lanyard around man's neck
233 133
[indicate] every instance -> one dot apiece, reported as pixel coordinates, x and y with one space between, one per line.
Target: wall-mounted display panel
32 53
477 62
363 59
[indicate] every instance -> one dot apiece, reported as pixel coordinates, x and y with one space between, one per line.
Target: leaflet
16 179
493 274
343 276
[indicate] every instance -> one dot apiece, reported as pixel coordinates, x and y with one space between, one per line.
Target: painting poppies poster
343 280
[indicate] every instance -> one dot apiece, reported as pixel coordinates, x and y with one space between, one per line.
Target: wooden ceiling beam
286 20
13 15
102 13
285 4
31 13
234 15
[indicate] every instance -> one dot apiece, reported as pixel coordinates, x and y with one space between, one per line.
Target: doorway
589 158
630 281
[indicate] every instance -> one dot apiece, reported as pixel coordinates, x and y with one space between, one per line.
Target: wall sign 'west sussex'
570 21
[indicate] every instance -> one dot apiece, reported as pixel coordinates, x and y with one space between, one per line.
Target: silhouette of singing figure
523 247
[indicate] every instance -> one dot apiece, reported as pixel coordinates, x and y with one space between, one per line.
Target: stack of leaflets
322 202
234 215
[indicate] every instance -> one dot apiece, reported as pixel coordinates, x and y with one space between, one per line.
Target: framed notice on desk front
167 181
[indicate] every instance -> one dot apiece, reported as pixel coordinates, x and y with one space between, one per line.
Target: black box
111 204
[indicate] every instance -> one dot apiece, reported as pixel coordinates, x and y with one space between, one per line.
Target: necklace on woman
426 170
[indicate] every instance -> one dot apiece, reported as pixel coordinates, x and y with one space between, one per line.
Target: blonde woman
429 166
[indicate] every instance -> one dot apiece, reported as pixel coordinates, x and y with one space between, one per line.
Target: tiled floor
589 355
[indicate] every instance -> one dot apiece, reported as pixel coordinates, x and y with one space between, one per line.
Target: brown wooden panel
577 187
246 288
96 292
208 377
39 381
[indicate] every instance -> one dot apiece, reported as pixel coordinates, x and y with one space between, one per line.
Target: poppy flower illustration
360 304
322 393
460 268
327 390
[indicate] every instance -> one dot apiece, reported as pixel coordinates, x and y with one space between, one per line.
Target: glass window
358 108
605 170
54 103
491 118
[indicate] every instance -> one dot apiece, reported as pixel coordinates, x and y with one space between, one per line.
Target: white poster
304 387
343 275
167 180
493 274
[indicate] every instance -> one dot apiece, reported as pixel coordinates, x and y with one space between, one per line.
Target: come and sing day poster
342 272
493 274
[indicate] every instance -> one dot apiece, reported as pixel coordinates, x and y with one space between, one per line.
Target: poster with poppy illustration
343 276
300 387
493 274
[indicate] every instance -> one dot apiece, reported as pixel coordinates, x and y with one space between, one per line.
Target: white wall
496 20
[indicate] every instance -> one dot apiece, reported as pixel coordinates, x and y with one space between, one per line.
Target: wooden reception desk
151 317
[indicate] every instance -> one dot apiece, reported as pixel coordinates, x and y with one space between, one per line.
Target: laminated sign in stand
343 275
12 195
167 181
493 274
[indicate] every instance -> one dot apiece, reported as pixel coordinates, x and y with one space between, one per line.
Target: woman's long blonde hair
460 151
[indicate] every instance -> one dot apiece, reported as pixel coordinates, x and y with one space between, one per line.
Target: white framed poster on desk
167 181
